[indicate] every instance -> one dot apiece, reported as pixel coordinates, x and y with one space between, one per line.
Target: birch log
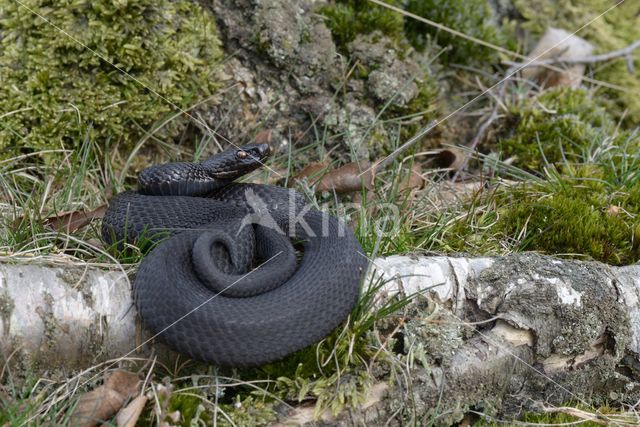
487 334
505 334
60 317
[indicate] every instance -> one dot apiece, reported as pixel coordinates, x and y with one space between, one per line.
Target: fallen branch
591 59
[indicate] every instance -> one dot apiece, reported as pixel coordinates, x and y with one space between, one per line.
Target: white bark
64 316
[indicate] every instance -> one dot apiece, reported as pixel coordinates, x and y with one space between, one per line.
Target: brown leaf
313 172
128 416
124 382
102 403
414 181
347 179
263 137
73 221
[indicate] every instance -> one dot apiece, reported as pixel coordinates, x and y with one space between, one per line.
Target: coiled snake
226 287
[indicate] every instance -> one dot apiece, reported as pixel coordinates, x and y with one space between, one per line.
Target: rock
393 80
292 79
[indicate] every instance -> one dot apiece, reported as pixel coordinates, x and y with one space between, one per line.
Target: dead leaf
263 137
128 416
449 158
347 179
124 382
73 221
414 181
102 403
557 43
312 172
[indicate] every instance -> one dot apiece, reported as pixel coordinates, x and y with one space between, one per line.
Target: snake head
236 161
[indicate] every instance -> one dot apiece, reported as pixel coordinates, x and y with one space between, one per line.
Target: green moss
471 17
190 407
590 211
348 18
56 92
576 219
614 30
555 127
248 411
587 208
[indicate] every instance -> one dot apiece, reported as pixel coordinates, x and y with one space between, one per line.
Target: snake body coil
226 287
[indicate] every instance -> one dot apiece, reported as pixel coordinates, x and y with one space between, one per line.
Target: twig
592 59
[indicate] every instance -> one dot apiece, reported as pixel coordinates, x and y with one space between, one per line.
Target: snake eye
241 154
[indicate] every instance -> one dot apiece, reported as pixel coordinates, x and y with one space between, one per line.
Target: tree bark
503 335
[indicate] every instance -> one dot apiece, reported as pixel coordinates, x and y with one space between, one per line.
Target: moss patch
56 92
348 18
471 17
579 218
555 127
587 211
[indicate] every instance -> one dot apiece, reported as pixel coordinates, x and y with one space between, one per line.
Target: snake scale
222 283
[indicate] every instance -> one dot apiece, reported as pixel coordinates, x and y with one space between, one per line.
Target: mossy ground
59 81
349 18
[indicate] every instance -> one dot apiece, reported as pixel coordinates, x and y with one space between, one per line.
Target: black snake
225 285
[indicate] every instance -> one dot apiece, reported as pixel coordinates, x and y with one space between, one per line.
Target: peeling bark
522 330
